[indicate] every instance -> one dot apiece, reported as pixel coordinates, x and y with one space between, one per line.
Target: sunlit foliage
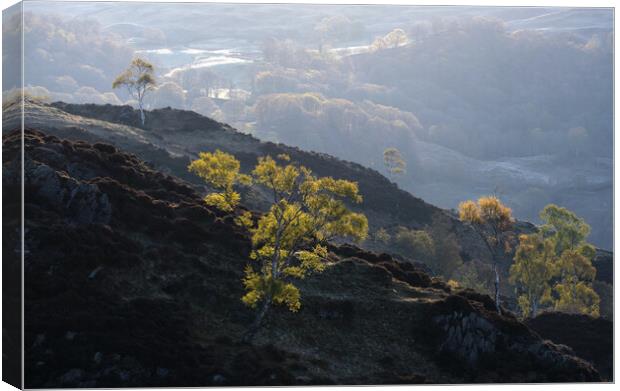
220 170
436 245
532 271
17 96
569 230
576 297
289 241
554 266
453 284
575 273
469 211
492 220
488 214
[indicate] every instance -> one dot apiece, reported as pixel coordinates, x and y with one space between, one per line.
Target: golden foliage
469 212
288 241
488 210
488 214
306 212
493 212
577 297
245 220
259 286
220 170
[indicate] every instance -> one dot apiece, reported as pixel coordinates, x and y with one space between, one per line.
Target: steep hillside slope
131 280
172 137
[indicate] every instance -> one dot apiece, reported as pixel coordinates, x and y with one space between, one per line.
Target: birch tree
289 240
138 79
492 220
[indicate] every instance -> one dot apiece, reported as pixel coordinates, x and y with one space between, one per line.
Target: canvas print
225 194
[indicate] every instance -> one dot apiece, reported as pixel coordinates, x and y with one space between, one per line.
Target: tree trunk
141 114
255 326
497 303
493 256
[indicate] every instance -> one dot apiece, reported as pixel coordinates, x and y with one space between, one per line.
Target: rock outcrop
482 339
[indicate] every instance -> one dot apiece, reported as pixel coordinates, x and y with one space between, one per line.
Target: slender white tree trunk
496 282
141 112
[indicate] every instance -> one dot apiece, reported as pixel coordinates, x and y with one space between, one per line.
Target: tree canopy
417 244
220 170
554 266
289 240
394 161
532 271
491 214
492 220
137 79
568 230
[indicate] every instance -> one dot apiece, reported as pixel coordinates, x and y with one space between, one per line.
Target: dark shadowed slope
589 338
131 280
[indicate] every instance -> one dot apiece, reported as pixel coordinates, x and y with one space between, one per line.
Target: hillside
590 338
172 137
131 280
